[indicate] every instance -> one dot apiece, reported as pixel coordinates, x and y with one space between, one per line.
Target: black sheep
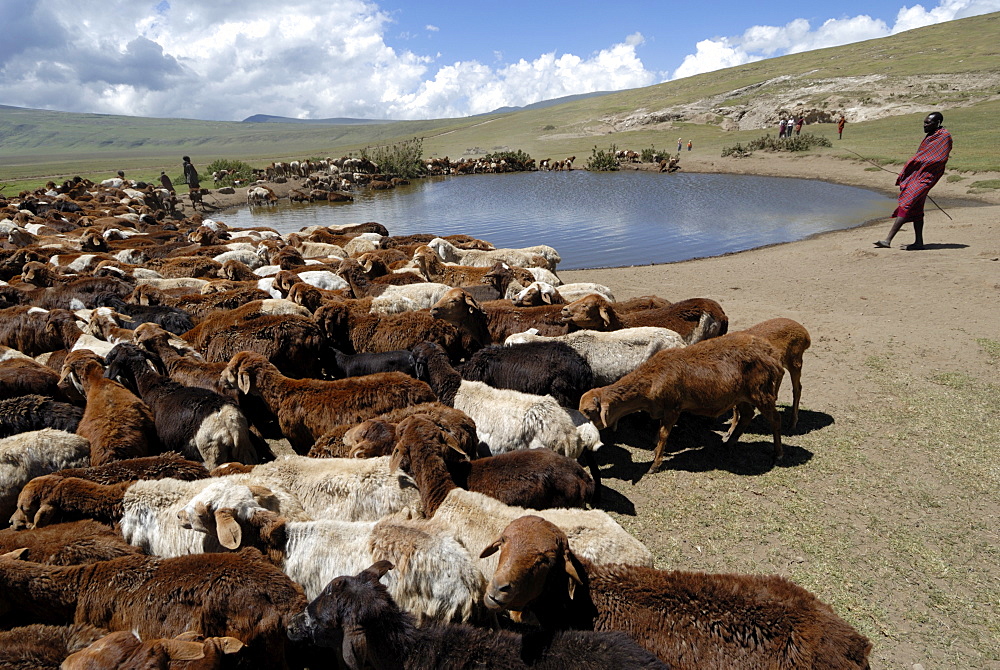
541 368
199 423
355 365
357 616
172 319
34 412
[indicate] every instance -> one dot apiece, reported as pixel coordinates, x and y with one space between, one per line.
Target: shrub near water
516 161
801 142
603 161
404 159
237 170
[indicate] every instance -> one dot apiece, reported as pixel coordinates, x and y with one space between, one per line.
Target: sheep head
532 550
454 305
339 616
79 367
33 507
125 649
589 312
242 372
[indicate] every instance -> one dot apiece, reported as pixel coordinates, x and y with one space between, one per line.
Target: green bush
404 159
236 170
649 155
768 142
603 161
516 161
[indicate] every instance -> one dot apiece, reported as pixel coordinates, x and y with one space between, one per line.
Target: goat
689 620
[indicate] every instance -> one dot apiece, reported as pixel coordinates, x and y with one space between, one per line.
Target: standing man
840 127
190 174
690 144
781 129
680 143
916 179
798 124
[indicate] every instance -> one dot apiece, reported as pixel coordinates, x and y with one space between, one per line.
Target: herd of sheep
342 448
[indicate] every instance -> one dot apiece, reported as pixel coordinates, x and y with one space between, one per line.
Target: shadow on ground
696 445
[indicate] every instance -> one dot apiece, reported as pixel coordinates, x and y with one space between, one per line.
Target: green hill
883 86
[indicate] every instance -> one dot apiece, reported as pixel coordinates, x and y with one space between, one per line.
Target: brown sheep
690 620
44 647
50 499
376 436
24 376
353 330
237 594
708 378
123 650
117 424
493 322
34 331
790 339
72 543
308 408
692 319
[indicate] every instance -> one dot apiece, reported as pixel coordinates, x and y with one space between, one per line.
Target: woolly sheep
28 455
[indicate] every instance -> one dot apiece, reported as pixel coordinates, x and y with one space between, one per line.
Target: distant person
781 129
690 144
190 174
680 143
798 124
166 183
917 178
121 174
840 127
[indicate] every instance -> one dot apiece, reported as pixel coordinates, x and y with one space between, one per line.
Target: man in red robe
916 179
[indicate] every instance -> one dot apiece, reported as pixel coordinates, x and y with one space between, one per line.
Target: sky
396 59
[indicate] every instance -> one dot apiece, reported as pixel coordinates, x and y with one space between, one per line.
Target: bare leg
896 225
918 232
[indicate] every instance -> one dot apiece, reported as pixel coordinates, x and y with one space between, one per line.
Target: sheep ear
395 460
574 576
229 531
190 636
455 446
260 491
228 645
605 315
354 649
44 515
546 297
16 555
377 570
243 382
180 650
492 549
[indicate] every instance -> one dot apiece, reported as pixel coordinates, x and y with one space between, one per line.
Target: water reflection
599 219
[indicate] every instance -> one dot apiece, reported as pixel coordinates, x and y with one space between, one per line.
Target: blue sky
229 59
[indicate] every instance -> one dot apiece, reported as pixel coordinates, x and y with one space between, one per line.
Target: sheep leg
595 473
795 371
666 424
771 412
742 416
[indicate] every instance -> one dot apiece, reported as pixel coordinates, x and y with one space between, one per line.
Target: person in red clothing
916 179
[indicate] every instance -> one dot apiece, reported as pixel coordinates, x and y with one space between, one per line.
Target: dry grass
888 510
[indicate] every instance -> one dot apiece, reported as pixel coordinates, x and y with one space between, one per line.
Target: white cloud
228 60
431 28
798 35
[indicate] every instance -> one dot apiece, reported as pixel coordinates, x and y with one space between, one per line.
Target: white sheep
150 518
245 256
350 489
437 577
33 454
482 258
612 354
408 297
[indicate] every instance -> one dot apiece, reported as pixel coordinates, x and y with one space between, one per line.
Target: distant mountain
342 121
267 118
542 104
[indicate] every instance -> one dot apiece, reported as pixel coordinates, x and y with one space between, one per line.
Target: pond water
598 219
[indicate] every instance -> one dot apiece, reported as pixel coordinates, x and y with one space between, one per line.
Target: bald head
933 122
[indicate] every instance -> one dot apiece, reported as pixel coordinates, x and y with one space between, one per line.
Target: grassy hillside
884 86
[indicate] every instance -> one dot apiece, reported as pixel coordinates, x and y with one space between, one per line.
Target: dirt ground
887 506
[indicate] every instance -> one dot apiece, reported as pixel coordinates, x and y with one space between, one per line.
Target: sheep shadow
695 446
809 421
